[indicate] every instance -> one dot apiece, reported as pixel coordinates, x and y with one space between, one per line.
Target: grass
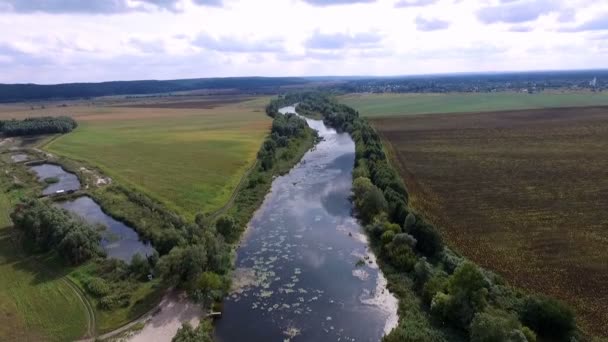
384 105
522 193
35 305
143 298
190 159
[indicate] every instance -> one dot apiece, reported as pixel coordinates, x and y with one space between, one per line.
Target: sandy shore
162 326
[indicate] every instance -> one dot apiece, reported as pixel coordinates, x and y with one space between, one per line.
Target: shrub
227 226
111 302
529 334
401 256
549 318
467 291
51 180
436 283
429 239
97 287
387 237
491 327
410 221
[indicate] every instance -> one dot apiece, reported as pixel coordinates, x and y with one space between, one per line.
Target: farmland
520 192
188 155
383 105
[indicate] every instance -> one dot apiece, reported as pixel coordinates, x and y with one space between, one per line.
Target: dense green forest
46 228
30 92
442 295
39 125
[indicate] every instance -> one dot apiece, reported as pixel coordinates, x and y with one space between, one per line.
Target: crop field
190 156
35 305
383 105
523 193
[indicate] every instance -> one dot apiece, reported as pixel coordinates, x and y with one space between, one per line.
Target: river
304 269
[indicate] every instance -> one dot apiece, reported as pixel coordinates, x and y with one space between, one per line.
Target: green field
35 304
383 105
190 159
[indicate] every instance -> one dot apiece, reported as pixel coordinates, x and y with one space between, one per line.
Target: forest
462 300
530 82
38 125
33 92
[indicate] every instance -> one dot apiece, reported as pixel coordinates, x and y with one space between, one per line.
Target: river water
304 270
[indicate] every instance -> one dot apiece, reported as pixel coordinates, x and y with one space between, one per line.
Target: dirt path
161 323
91 319
236 191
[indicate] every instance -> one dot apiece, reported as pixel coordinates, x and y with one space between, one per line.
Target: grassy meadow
384 105
522 193
190 159
35 303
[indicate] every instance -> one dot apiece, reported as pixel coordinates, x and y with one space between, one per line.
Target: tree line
39 125
472 302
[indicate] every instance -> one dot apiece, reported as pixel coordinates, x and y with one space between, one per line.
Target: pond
118 240
67 181
304 269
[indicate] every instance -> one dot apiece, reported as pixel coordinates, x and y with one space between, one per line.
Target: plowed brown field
524 193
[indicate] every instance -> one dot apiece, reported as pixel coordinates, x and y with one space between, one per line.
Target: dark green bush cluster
49 228
113 281
202 333
40 125
285 129
458 294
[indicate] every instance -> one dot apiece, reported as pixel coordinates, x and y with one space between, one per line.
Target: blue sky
54 41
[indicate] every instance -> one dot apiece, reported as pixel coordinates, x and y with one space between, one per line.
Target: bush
429 239
226 225
51 180
491 327
401 256
111 302
549 318
387 237
467 291
97 287
436 283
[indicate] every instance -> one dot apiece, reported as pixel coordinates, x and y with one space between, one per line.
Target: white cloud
73 40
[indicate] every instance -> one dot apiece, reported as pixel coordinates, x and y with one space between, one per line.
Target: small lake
119 240
67 180
297 277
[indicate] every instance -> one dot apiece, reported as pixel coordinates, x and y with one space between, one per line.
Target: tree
226 226
139 267
467 291
371 204
183 265
549 318
186 333
495 327
429 239
48 227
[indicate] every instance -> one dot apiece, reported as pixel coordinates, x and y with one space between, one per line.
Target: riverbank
299 276
442 296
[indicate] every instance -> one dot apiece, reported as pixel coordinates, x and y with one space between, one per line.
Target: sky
58 41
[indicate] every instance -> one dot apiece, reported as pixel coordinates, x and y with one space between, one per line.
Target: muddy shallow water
118 240
297 277
67 180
